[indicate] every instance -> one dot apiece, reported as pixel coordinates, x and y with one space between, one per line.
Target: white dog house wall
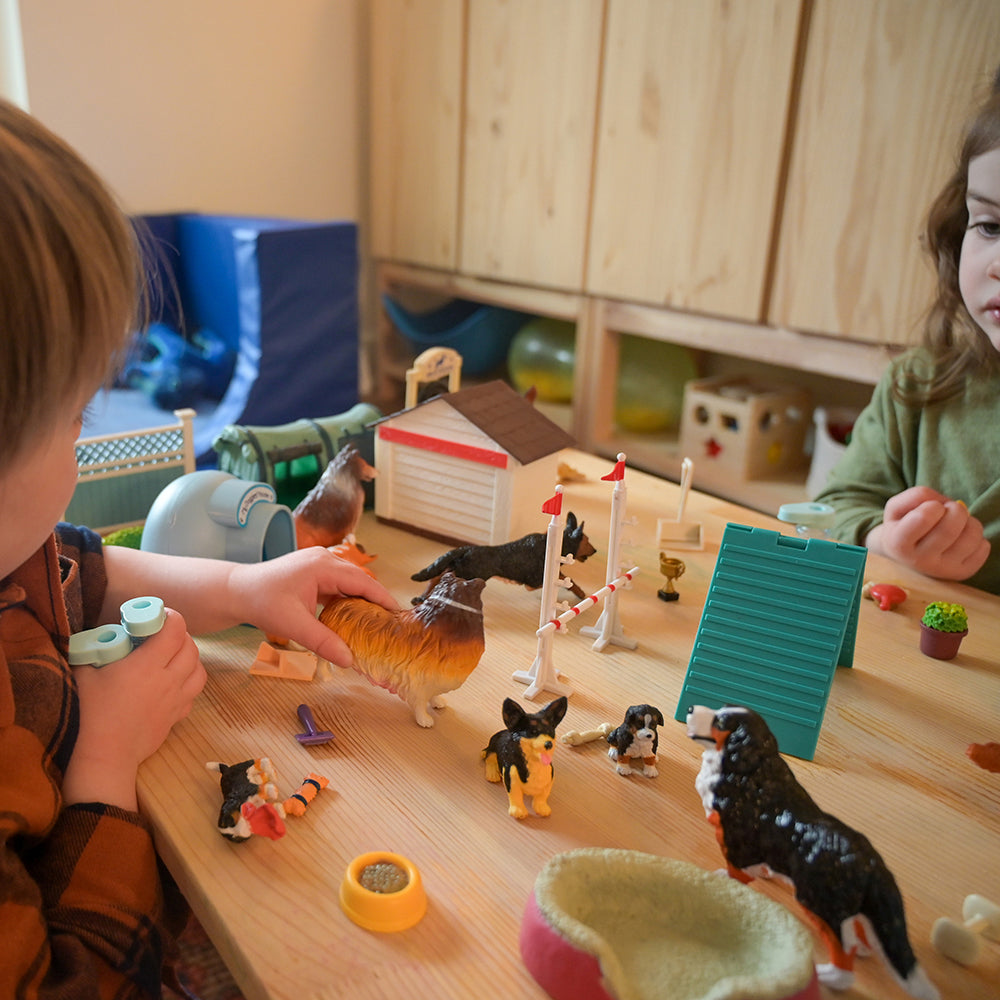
459 467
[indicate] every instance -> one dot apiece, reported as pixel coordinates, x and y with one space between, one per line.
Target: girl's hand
127 708
934 535
280 596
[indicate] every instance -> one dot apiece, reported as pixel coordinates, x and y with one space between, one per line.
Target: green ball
542 355
651 379
129 538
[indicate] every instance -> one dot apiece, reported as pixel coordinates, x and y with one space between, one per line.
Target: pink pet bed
621 925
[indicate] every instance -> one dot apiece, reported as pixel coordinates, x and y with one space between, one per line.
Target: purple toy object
312 735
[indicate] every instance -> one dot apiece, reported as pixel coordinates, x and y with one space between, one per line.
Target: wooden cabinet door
885 89
693 113
416 101
531 100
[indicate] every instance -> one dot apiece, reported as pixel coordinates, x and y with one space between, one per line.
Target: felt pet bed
622 925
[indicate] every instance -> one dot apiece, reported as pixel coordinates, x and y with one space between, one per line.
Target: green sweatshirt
953 447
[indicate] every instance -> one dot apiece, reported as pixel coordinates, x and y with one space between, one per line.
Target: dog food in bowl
381 891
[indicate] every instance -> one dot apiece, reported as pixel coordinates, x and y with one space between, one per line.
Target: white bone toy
962 942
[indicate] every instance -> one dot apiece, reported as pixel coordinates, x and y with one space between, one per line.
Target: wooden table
890 761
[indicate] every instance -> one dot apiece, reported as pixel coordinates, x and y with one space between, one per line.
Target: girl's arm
279 596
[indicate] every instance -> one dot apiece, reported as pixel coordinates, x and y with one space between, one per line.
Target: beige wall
229 106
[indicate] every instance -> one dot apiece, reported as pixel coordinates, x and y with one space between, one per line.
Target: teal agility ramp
781 615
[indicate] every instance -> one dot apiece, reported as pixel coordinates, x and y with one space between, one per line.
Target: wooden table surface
890 761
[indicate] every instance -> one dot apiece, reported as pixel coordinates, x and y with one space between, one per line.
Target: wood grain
693 112
890 761
886 88
416 51
531 100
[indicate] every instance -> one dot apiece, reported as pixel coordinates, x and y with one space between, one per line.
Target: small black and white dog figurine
636 738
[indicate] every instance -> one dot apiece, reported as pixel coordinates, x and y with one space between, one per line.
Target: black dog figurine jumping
520 561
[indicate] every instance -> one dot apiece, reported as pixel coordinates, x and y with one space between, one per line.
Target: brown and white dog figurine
419 653
636 739
330 511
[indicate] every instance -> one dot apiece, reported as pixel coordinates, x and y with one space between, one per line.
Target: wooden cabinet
694 106
417 54
531 97
746 179
885 88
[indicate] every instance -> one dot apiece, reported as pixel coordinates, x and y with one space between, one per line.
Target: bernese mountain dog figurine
636 739
768 826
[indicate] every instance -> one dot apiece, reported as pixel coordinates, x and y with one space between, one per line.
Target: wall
229 106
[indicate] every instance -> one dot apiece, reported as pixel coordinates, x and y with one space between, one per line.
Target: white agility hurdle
542 675
608 630
553 624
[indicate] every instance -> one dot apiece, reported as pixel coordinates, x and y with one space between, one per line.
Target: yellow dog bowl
382 891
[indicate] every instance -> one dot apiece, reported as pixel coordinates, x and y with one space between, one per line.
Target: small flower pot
940 645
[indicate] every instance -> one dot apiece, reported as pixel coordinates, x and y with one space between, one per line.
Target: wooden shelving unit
838 366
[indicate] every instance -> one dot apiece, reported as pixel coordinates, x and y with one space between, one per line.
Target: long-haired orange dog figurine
419 653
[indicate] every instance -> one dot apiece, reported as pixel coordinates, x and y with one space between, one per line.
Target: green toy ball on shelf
651 379
542 354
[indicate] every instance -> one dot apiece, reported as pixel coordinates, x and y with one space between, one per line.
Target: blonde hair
70 280
955 345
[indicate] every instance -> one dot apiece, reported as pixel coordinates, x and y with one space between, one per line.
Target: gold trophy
672 569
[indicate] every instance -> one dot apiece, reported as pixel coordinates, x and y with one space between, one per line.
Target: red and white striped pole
554 624
608 630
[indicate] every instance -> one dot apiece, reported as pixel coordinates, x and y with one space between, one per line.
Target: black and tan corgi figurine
521 755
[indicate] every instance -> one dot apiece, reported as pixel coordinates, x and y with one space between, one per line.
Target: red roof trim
484 456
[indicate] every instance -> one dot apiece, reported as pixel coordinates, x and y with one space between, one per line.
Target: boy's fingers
324 642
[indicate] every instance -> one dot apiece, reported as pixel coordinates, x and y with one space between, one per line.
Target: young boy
81 903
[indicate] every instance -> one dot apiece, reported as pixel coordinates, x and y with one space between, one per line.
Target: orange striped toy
311 786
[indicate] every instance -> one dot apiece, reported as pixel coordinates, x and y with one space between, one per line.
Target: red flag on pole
616 474
553 506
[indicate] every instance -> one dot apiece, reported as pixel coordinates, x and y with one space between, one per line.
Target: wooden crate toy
748 428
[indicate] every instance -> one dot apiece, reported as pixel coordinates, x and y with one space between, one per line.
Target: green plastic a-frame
781 615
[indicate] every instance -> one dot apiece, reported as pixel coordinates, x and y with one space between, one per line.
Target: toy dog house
751 430
781 615
280 293
217 516
453 467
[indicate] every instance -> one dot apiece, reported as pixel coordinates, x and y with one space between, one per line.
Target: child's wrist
93 781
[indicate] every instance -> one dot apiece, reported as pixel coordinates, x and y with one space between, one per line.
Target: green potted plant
942 629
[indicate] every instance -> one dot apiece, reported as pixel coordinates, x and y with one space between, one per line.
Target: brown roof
508 418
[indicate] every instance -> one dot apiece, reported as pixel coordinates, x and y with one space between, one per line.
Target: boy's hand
127 708
934 535
280 596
